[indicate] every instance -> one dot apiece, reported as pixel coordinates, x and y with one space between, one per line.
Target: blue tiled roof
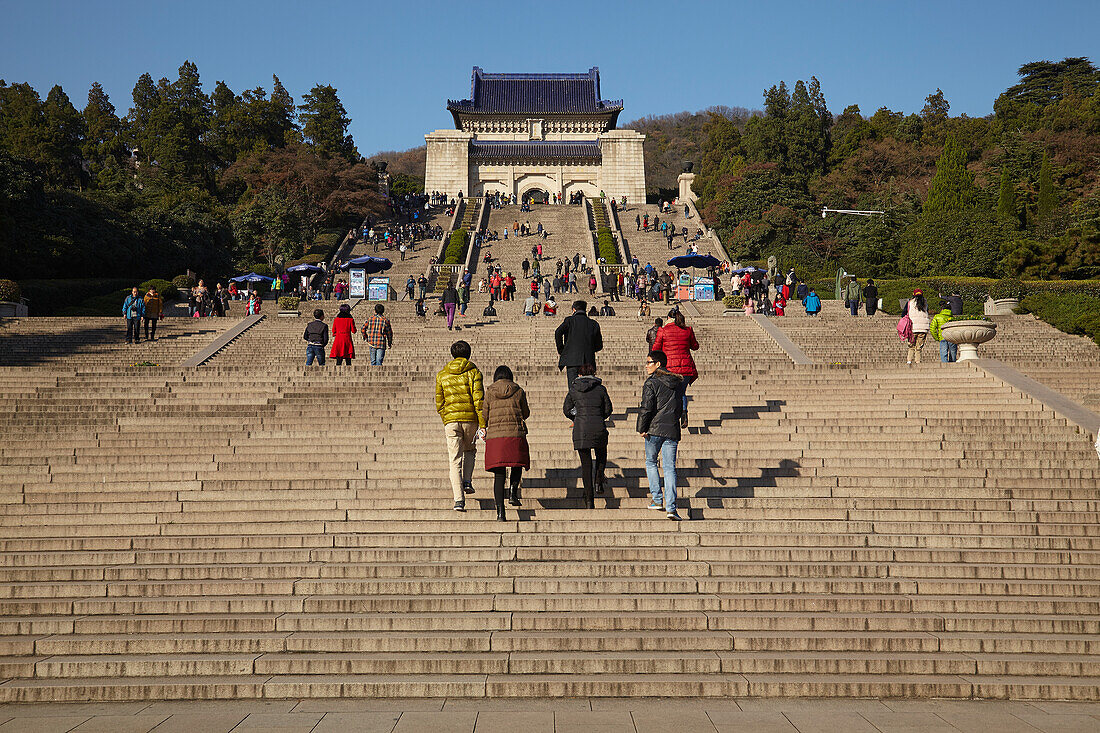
485 149
526 94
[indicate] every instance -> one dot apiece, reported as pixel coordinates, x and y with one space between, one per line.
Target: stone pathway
563 715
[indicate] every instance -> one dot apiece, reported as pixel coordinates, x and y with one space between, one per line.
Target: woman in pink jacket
677 341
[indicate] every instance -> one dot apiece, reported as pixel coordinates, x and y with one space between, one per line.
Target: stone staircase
416 257
567 234
253 528
95 342
1069 364
651 247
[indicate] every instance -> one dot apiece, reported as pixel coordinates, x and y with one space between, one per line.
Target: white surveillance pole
858 212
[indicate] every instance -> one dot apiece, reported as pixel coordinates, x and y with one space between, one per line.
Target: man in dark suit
578 338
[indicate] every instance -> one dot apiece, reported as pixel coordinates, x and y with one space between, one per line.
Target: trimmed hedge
165 289
609 250
456 248
50 297
289 303
1075 313
974 290
183 281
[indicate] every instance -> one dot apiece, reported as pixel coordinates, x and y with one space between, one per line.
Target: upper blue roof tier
529 94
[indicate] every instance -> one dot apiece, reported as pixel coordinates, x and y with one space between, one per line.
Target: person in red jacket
677 340
343 326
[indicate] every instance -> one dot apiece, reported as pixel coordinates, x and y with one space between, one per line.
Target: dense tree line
185 179
1016 193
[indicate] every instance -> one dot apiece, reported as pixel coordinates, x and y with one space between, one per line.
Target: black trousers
592 472
150 328
133 330
498 482
571 373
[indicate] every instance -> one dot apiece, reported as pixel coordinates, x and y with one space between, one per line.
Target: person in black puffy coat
588 405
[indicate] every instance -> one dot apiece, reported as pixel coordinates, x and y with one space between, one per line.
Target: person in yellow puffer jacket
949 352
458 400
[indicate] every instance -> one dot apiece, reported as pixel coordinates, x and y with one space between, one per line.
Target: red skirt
506 453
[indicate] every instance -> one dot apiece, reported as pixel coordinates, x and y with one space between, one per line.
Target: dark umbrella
250 278
370 264
305 269
684 261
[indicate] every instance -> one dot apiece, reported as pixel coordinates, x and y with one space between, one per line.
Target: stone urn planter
967 335
1001 306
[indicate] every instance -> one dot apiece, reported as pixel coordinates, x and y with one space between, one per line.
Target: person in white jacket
917 309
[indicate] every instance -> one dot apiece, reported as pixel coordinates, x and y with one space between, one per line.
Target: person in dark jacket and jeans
450 303
588 406
316 338
578 338
133 309
659 424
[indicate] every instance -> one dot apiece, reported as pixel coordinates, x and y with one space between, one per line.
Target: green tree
952 188
102 132
283 113
1047 198
182 121
945 242
23 130
763 138
720 156
806 131
138 122
325 123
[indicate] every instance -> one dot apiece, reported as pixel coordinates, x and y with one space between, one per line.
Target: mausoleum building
534 135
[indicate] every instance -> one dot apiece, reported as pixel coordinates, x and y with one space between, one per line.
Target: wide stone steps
254 528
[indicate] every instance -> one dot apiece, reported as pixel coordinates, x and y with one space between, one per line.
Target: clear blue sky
396 63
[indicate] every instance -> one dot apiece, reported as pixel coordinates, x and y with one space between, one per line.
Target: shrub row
609 250
289 303
1076 313
50 297
456 248
9 291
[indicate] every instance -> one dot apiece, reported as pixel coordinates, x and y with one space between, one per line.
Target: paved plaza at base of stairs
562 715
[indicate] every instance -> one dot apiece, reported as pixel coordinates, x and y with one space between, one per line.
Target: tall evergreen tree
1047 198
65 131
102 131
952 188
183 118
325 123
146 98
764 136
23 131
284 113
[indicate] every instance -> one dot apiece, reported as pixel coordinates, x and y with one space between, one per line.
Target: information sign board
357 283
378 288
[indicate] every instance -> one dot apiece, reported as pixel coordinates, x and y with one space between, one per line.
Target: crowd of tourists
498 414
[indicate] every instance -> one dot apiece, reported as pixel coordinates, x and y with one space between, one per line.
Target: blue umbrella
251 278
305 269
684 261
750 268
368 263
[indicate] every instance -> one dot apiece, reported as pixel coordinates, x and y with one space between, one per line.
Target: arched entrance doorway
536 196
